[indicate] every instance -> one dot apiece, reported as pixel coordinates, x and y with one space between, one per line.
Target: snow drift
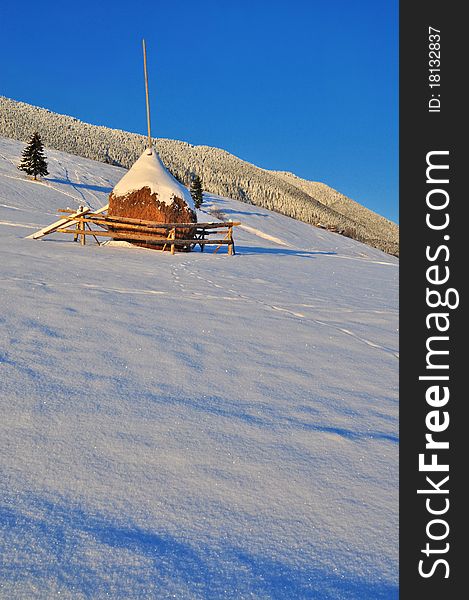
197 425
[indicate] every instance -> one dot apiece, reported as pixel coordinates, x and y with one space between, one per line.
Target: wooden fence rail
83 223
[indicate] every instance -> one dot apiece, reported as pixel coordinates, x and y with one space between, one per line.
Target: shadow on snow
91 555
280 251
86 186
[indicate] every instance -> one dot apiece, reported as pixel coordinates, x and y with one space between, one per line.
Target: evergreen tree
33 161
197 191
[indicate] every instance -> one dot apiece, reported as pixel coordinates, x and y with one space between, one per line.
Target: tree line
221 172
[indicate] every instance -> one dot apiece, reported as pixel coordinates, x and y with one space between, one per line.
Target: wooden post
85 224
173 237
146 92
230 238
75 237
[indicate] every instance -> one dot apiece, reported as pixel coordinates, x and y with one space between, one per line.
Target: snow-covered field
197 425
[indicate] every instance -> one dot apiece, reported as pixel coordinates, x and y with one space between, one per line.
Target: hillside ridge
222 173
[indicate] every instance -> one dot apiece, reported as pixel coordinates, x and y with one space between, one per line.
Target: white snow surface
149 171
197 425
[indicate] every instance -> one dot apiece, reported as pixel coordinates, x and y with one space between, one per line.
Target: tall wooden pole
146 92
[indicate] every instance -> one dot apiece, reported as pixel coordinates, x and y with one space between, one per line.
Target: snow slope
197 425
221 172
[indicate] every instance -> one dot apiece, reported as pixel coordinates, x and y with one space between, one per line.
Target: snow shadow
86 186
211 405
267 418
280 251
346 433
249 213
92 555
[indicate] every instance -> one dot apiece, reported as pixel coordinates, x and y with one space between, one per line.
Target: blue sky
309 86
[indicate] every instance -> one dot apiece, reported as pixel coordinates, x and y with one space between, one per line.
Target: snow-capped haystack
148 191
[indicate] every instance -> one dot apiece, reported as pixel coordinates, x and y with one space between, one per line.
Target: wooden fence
186 236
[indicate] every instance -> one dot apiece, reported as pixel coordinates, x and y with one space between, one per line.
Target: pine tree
197 191
33 161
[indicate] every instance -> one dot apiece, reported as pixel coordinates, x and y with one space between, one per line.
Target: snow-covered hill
221 172
197 425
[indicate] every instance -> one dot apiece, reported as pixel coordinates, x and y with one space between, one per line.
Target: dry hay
142 204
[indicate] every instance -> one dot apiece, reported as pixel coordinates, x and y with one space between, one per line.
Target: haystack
148 191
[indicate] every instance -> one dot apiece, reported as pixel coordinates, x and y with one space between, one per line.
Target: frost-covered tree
107 158
197 191
222 173
33 161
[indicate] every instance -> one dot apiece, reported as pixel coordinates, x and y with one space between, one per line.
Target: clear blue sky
309 86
